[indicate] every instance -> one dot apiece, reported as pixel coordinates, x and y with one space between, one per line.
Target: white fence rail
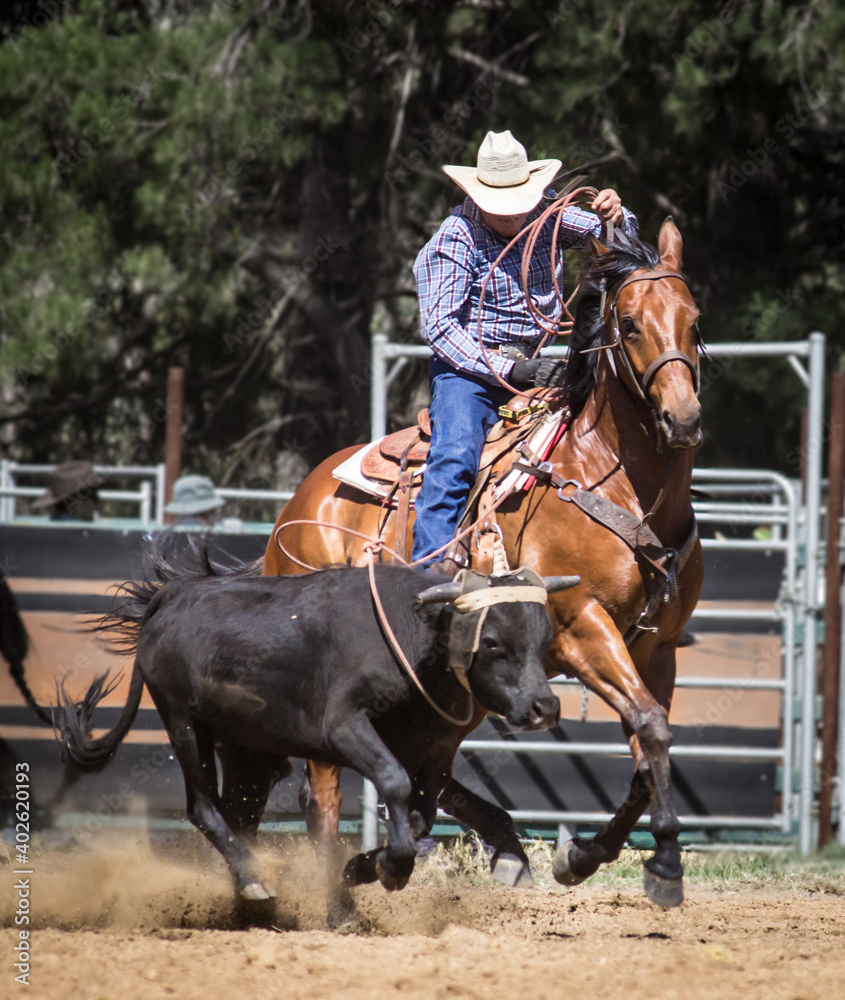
148 499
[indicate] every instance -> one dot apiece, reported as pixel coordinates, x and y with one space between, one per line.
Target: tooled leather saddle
406 449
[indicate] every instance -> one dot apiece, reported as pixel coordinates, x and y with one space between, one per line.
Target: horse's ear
670 245
598 250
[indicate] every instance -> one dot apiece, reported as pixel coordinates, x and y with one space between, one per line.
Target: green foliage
166 179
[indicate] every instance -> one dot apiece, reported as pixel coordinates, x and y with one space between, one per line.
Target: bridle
615 346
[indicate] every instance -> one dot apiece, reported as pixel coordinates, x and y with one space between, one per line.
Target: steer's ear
555 583
440 594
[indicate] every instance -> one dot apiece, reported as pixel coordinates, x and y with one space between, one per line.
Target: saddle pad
349 473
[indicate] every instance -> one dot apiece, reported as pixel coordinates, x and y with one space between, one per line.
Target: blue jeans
463 409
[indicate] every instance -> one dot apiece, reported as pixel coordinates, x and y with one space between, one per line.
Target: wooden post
833 608
173 433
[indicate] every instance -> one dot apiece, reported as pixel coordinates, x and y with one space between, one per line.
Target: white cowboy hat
504 182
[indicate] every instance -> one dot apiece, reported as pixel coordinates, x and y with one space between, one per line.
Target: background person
71 492
194 502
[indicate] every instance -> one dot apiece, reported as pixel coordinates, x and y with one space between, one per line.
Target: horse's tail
122 622
14 646
73 726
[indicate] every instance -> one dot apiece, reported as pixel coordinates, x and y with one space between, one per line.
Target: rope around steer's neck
397 649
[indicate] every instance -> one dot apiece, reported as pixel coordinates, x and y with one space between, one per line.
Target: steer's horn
440 594
555 583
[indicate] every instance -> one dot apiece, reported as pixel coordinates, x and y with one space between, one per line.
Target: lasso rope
557 326
379 541
370 549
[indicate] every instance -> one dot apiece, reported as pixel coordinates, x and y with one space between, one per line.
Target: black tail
14 646
73 726
123 621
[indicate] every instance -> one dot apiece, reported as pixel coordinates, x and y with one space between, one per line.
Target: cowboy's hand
608 205
538 372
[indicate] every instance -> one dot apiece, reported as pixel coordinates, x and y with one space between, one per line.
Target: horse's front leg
320 799
593 647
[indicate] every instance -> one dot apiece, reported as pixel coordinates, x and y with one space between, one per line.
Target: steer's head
499 634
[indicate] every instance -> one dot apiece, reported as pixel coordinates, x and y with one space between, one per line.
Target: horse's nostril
547 708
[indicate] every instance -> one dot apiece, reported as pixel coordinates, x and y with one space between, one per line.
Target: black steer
272 667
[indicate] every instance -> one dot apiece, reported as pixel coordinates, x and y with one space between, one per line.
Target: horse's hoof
254 891
271 892
665 892
392 883
510 870
343 917
561 869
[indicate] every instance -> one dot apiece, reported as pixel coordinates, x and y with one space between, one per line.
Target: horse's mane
625 255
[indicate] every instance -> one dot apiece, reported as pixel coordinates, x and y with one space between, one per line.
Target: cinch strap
478 599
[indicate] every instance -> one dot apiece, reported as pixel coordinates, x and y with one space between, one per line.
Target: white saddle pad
349 472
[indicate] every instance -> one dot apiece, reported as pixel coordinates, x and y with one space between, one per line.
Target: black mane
626 254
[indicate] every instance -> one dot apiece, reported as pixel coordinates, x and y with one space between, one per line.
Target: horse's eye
490 643
629 325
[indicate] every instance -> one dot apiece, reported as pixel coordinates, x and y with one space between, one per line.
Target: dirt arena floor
131 921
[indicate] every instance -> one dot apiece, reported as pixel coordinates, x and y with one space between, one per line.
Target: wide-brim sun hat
504 181
193 495
66 480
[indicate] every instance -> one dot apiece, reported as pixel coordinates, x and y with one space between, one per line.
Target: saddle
392 468
406 449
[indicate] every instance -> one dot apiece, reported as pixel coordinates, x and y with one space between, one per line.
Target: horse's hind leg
248 776
320 799
194 749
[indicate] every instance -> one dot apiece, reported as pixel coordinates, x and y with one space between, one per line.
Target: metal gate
795 531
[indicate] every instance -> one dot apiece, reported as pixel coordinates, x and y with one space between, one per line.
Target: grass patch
465 861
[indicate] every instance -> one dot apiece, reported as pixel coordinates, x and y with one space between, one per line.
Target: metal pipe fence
148 498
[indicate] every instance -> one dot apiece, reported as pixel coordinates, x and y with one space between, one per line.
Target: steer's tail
73 726
134 603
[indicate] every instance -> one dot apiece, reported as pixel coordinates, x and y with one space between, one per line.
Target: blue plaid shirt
451 268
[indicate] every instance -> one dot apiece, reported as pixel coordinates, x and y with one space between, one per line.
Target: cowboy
71 493
502 193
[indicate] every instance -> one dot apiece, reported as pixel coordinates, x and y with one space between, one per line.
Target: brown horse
636 422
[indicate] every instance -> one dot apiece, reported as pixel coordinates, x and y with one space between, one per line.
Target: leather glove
538 372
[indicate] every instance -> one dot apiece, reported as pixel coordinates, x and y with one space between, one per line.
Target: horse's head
652 321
